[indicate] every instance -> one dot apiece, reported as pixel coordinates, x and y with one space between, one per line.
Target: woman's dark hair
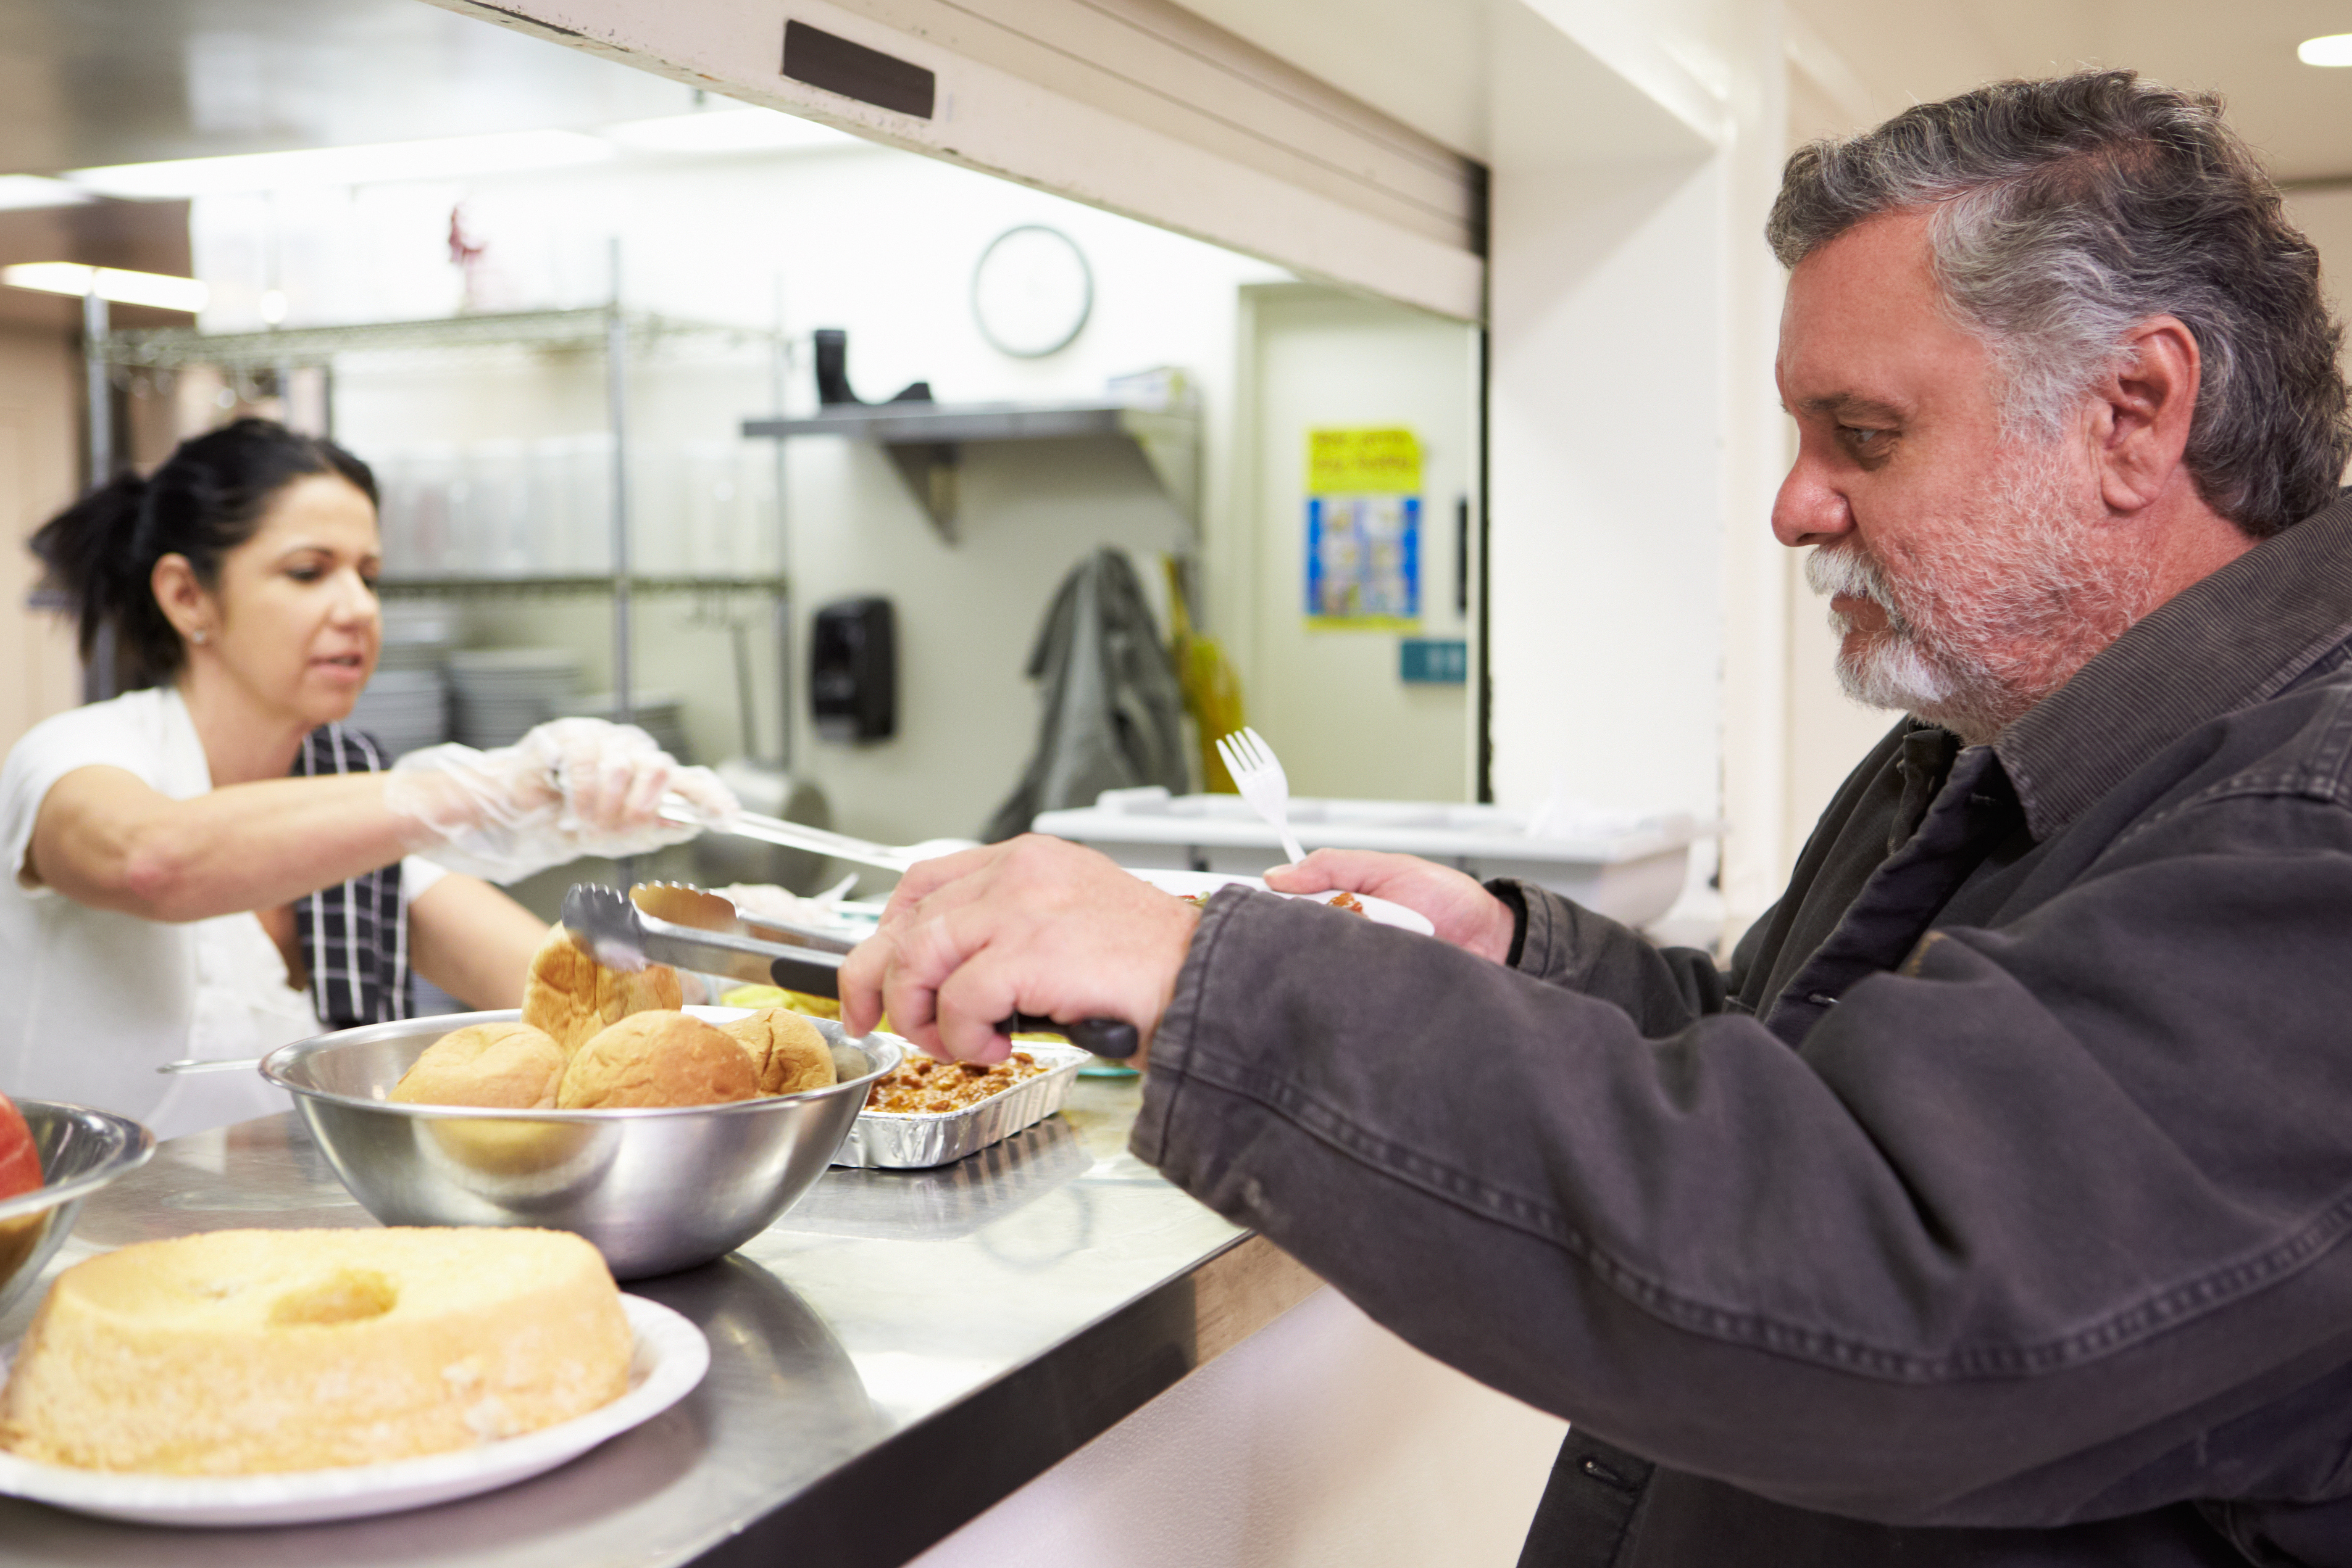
206 499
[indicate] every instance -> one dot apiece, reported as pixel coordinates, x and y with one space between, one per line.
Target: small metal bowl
655 1190
81 1151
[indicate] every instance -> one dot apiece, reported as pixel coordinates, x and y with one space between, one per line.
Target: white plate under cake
668 1359
248 1377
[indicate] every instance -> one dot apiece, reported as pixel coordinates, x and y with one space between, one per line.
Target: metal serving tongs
667 922
727 942
814 840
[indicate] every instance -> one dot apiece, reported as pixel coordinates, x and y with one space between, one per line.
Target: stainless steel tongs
775 830
667 922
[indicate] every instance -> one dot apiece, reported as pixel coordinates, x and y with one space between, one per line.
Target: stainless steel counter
893 1357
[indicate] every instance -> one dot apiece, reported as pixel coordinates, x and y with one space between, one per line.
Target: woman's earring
199 637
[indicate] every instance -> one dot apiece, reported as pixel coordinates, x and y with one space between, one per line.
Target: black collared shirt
1992 1210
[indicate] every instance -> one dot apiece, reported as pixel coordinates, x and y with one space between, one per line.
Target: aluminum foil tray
911 1140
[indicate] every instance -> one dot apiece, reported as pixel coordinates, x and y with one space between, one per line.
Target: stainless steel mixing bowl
655 1189
81 1151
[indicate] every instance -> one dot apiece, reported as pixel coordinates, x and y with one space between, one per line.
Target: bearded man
1993 1207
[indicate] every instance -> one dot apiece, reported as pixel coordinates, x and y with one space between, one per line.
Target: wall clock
1032 292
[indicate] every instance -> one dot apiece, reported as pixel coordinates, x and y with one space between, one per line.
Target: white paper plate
670 1358
1188 884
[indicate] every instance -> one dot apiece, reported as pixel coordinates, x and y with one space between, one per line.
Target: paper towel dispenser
854 670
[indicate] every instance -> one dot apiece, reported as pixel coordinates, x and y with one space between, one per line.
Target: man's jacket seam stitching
2320 777
2118 1330
2305 783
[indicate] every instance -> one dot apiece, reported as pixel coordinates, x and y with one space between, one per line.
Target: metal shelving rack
619 334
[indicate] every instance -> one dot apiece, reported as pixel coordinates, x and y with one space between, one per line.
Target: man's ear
184 600
2143 412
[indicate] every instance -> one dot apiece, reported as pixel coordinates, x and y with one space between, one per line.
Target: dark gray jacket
1114 714
1991 1210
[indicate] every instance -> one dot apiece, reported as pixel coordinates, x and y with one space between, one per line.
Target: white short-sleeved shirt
92 1001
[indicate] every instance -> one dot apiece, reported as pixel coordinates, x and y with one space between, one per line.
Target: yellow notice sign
1362 462
1363 529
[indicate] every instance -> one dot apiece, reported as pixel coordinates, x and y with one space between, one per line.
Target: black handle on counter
1104 1037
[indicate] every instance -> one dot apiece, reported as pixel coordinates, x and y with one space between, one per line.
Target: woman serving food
213 865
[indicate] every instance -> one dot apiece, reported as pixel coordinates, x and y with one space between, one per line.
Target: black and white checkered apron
353 934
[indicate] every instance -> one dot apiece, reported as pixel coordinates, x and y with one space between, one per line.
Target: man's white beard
1983 625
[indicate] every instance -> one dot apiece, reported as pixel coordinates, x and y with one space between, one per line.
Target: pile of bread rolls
593 1038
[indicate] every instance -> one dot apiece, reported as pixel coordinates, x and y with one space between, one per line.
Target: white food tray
1629 867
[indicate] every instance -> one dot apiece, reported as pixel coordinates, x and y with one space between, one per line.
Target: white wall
2325 213
878 242
1607 530
39 674
1323 1441
1637 603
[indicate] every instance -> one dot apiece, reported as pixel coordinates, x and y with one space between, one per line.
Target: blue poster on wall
1363 561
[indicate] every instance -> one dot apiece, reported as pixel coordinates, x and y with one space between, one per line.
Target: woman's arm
105 838
472 940
570 787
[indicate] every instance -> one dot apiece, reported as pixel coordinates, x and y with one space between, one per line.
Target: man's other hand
1034 925
1463 912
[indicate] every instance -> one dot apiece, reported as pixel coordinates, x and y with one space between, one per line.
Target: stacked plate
403 709
417 635
406 704
502 691
661 714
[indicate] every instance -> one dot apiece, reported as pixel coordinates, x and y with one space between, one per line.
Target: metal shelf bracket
925 442
932 469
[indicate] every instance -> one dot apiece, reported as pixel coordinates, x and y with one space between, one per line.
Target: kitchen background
496 460
1653 650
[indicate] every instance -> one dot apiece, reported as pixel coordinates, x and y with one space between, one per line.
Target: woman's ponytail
90 555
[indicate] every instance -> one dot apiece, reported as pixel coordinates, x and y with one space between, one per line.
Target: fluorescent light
2335 49
449 157
20 191
159 290
725 130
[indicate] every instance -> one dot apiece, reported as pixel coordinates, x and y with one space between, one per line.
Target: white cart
1627 868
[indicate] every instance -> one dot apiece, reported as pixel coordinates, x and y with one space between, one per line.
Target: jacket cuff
1507 888
1173 1043
1544 942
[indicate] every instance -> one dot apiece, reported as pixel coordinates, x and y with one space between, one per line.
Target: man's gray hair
2064 213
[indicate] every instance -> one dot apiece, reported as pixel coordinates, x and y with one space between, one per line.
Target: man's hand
1463 912
1036 925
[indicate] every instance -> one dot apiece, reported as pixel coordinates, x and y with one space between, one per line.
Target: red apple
20 1162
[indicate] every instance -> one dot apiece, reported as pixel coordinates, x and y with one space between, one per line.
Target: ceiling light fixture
449 157
159 290
2335 49
18 192
725 130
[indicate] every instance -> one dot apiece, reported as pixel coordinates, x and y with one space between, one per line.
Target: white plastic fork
1258 773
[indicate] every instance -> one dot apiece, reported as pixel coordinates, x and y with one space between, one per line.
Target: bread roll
789 1052
572 997
657 1059
250 1351
513 1067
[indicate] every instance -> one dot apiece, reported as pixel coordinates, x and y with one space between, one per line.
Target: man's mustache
1850 570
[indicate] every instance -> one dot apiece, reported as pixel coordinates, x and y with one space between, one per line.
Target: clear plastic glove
570 787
